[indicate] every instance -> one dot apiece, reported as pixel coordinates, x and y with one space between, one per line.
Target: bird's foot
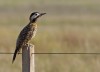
29 45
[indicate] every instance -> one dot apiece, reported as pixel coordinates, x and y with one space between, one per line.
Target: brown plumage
27 33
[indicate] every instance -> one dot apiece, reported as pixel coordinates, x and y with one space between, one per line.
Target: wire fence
54 53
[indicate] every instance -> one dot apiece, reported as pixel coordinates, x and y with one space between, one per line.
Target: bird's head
35 15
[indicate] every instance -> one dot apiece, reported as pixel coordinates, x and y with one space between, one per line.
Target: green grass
68 26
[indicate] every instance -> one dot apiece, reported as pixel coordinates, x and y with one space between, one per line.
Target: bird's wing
25 35
22 36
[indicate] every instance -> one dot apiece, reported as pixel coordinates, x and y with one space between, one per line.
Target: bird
27 33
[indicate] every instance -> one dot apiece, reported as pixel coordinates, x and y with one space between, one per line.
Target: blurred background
70 26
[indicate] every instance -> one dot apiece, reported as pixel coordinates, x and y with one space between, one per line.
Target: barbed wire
53 53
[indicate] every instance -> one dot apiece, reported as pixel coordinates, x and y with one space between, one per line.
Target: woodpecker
27 33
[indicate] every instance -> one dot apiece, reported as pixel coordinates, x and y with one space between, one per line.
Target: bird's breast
34 30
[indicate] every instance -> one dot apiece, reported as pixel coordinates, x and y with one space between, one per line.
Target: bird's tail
15 53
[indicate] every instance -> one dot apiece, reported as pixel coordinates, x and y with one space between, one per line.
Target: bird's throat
34 25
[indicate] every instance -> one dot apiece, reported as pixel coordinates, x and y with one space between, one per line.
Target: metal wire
65 53
54 53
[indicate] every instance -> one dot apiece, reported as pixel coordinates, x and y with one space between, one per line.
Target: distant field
49 2
69 26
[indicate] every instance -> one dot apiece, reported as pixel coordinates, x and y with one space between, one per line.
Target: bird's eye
36 14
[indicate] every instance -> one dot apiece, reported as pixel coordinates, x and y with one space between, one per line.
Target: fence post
28 64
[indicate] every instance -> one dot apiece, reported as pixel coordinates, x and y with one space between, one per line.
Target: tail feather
15 53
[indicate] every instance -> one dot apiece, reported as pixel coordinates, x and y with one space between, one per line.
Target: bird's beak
41 14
